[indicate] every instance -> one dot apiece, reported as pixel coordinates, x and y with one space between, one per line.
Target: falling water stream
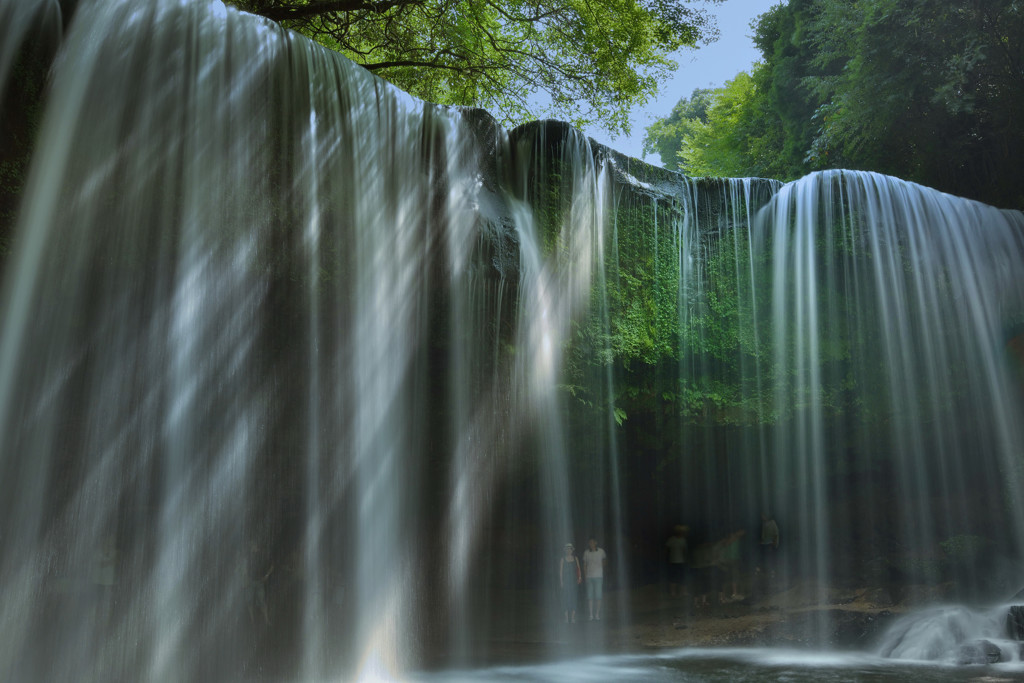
304 379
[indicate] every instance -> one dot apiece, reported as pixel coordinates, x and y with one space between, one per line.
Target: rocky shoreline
848 620
647 619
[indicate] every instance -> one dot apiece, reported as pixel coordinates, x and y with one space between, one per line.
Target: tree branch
296 12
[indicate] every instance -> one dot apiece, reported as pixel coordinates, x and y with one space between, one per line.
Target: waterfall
259 387
302 378
894 308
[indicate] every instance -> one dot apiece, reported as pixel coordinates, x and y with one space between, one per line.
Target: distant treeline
927 90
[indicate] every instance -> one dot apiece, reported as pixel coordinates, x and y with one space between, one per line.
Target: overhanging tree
584 61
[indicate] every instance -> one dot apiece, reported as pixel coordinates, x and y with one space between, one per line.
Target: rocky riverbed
647 619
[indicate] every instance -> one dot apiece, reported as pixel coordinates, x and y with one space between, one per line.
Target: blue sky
709 66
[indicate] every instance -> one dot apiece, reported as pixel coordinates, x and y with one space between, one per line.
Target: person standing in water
727 562
769 543
569 579
594 559
677 551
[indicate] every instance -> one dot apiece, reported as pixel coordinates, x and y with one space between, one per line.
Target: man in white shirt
594 559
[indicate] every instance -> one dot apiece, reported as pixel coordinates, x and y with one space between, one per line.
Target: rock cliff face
1015 622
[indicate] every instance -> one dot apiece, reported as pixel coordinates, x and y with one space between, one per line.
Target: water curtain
301 377
894 314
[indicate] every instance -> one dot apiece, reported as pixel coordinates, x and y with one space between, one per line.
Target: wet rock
1015 623
979 652
859 630
927 594
878 596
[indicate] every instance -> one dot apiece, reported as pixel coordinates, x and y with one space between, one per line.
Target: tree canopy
925 90
739 137
666 136
583 61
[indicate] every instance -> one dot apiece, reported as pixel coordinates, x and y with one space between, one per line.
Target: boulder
979 652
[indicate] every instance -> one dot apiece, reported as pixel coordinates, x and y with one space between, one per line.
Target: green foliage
673 319
926 91
593 61
665 136
786 41
620 416
643 277
740 137
684 324
731 131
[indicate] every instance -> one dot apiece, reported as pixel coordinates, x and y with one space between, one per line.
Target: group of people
716 563
571 575
703 569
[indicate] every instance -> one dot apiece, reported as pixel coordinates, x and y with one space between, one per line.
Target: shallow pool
755 664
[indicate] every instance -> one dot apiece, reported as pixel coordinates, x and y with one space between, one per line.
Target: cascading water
303 379
893 307
254 308
898 440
